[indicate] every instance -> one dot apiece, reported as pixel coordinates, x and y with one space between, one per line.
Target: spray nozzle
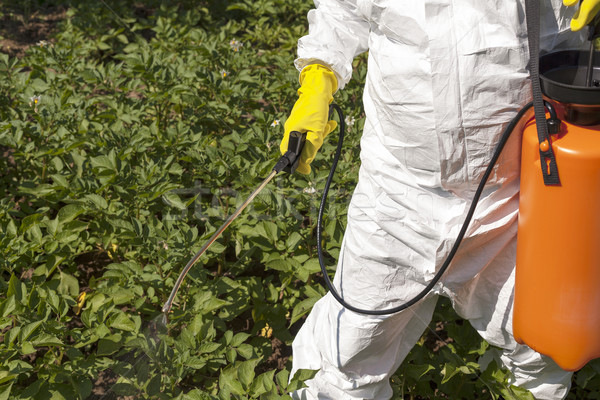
289 161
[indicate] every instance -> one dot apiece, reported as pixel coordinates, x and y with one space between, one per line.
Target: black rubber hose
504 138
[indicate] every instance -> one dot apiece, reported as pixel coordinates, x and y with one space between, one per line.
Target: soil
106 379
439 338
21 28
280 355
91 266
103 387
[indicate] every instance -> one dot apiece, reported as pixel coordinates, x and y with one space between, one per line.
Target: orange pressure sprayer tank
557 284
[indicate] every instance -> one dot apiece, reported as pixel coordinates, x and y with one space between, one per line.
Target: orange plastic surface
557 288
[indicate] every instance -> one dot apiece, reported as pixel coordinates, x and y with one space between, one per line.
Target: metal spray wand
288 162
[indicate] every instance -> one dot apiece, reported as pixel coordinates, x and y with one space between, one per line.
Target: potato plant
126 140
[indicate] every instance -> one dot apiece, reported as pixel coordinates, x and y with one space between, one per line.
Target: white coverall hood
444 78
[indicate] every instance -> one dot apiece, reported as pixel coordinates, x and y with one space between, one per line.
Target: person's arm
338 31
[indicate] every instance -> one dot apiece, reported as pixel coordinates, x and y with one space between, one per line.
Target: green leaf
68 285
208 347
124 389
300 376
69 213
30 221
195 363
230 355
173 200
97 200
229 382
282 379
417 371
28 330
123 322
451 370
27 348
130 48
197 394
46 339
122 38
239 338
154 386
228 337
60 180
263 384
108 345
16 288
122 296
95 301
34 234
105 164
5 391
53 301
302 308
212 304
310 266
6 376
82 385
293 240
8 306
33 389
245 372
11 229
516 393
269 230
279 265
246 350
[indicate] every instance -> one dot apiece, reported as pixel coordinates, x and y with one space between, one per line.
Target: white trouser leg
487 302
537 373
355 354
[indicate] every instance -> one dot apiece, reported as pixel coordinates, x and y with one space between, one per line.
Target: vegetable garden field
129 131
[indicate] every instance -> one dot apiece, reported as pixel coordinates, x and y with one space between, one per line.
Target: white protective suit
444 78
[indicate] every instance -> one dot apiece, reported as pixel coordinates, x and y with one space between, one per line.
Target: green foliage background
152 127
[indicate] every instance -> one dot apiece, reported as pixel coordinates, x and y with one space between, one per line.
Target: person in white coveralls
444 78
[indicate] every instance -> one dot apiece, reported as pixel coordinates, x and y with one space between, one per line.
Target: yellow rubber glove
311 112
586 13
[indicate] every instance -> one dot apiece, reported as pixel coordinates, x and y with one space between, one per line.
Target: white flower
34 100
309 189
350 121
224 73
235 44
275 123
42 43
271 144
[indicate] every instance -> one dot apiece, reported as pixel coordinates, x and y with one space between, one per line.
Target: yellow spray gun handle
586 13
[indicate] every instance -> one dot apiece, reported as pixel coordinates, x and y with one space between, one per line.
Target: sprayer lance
288 163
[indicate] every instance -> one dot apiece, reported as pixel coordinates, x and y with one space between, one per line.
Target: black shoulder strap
547 159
